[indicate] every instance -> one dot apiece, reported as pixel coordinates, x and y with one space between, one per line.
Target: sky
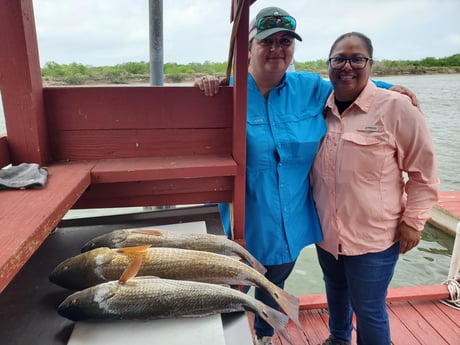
111 32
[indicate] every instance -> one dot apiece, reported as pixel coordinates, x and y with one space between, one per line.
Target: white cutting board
191 331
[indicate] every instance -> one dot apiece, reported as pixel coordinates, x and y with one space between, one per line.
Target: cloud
109 32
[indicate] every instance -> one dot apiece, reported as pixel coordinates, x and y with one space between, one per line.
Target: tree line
139 72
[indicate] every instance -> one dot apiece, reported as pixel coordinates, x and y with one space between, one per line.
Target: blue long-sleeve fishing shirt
283 135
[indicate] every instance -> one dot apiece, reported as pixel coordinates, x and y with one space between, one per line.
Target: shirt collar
363 101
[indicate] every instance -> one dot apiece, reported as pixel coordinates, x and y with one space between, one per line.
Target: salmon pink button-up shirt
358 185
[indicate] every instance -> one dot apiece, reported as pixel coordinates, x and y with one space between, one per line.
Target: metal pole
455 259
156 41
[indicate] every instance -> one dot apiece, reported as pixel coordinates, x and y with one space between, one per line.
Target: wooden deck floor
445 215
418 320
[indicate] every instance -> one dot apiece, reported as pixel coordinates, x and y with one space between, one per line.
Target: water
429 262
440 101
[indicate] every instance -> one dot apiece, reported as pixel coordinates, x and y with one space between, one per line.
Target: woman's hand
408 237
208 84
405 91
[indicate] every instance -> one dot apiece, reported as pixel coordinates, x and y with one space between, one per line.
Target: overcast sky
110 32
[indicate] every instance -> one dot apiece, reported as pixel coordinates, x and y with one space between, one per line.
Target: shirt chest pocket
362 155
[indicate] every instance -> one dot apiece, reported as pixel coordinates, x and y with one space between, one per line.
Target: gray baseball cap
271 20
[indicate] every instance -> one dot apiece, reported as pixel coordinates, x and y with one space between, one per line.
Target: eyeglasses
283 41
270 22
357 62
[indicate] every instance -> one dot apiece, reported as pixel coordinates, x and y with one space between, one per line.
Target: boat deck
445 215
450 200
413 322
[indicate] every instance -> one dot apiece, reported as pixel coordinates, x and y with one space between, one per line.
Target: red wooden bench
27 217
111 146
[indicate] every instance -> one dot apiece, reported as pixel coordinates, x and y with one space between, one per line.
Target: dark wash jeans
277 274
359 284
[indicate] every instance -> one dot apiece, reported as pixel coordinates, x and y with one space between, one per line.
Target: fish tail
277 320
288 302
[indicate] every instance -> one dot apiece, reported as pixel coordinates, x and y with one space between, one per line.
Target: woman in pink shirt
368 211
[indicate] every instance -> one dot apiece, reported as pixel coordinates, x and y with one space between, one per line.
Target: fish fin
289 303
134 251
131 270
277 320
137 255
151 232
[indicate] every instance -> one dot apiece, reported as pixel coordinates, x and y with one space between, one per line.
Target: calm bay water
429 262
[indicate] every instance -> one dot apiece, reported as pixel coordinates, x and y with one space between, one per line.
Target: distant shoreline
190 79
139 72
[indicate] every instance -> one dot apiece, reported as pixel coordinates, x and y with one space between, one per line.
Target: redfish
173 239
155 298
104 264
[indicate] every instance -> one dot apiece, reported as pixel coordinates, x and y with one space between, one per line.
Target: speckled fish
153 298
104 264
173 239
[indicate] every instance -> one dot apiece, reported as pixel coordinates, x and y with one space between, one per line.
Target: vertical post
21 83
240 74
156 41
455 259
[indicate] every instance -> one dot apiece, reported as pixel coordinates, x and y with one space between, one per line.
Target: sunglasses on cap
270 22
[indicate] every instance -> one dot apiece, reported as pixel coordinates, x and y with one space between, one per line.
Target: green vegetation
138 72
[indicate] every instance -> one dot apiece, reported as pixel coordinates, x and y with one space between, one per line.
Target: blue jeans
359 284
277 274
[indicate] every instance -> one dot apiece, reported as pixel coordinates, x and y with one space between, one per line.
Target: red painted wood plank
28 216
154 193
443 325
450 201
240 73
127 107
316 328
415 322
20 79
452 313
5 158
295 334
316 301
410 293
128 143
413 293
399 332
161 168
